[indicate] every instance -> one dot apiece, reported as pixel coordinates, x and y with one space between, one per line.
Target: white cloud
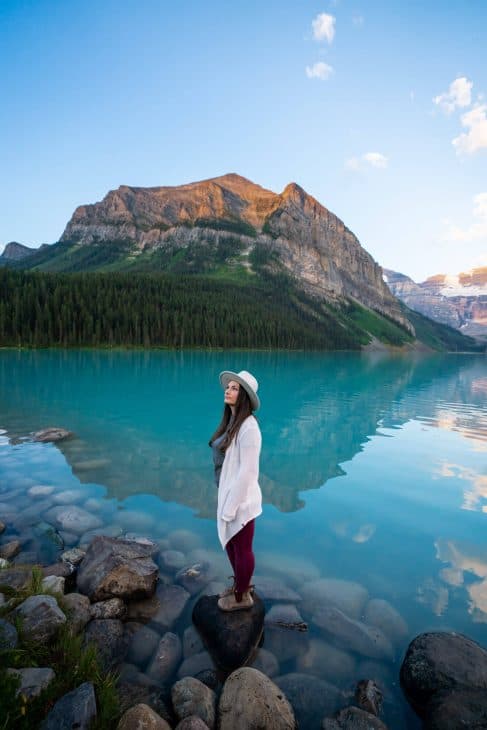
476 231
475 138
459 95
319 70
369 159
324 27
376 159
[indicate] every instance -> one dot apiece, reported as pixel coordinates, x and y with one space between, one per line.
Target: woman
236 450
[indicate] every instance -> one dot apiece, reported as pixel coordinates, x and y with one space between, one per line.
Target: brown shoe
230 603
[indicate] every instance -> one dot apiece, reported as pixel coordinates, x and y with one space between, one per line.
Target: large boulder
345 595
41 618
8 635
192 697
441 662
230 637
462 708
116 568
78 608
77 709
162 609
251 701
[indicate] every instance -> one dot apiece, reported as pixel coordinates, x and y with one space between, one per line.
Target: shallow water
373 470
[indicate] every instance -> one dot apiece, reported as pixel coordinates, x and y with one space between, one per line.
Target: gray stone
310 697
366 640
142 643
79 610
194 577
166 658
77 709
10 549
33 680
192 697
461 708
440 662
273 589
266 662
380 613
351 718
345 595
4 563
195 664
73 556
142 717
171 560
112 608
41 618
53 433
251 701
192 642
2 527
73 519
192 723
115 568
16 578
326 661
8 635
54 583
108 637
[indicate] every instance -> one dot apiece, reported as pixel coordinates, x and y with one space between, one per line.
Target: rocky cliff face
14 251
312 244
459 301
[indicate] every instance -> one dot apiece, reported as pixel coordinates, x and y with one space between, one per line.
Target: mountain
14 251
224 223
459 301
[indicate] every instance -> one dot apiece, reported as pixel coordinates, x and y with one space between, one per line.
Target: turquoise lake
373 471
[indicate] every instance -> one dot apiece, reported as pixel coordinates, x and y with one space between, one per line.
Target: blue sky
378 109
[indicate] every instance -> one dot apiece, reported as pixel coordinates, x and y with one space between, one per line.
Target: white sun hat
247 381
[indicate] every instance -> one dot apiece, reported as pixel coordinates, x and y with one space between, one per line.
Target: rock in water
439 662
52 434
368 696
251 701
230 638
351 718
114 568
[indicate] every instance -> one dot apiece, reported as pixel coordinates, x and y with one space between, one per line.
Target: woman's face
231 393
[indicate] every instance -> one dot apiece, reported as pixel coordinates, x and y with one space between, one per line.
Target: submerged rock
115 568
231 638
345 595
251 701
354 635
351 718
166 658
53 433
311 698
380 613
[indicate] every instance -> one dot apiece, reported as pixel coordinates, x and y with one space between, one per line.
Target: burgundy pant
241 556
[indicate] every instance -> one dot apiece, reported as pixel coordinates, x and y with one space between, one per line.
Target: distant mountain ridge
306 240
459 301
14 251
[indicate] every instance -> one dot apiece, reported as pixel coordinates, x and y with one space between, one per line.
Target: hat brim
228 375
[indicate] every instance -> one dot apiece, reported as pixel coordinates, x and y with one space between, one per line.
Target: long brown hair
243 409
